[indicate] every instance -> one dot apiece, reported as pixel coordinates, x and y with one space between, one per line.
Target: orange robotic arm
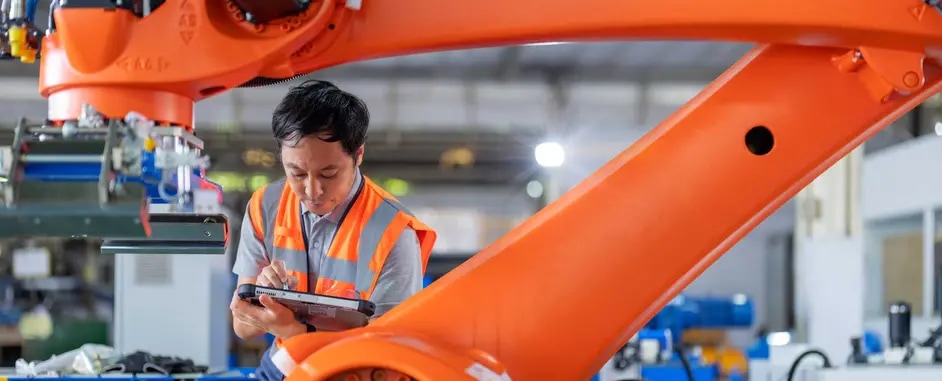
828 75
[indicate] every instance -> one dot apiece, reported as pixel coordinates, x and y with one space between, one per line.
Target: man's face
320 173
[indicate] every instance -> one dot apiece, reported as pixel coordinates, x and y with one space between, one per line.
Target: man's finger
271 305
246 319
277 311
278 266
268 301
256 325
241 316
251 313
268 278
234 303
241 307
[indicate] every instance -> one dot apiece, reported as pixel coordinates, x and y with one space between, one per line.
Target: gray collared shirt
400 278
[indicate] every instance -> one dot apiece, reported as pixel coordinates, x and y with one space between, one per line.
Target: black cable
933 338
909 355
797 362
685 362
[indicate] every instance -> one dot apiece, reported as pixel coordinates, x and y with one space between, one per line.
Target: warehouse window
894 264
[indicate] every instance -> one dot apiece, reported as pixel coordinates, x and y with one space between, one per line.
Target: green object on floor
66 336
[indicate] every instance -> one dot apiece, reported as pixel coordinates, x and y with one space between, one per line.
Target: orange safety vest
366 234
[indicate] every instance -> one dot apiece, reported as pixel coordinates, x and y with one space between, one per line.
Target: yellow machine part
726 358
19 47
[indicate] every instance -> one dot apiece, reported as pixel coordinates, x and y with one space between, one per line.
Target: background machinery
135 181
660 353
744 145
124 179
901 355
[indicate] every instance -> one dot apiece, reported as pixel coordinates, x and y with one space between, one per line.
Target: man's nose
313 189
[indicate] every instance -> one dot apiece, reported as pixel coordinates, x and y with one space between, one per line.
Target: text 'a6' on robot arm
549 301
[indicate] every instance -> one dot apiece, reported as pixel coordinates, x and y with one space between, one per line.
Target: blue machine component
674 372
872 342
150 178
688 312
759 349
663 337
107 178
10 316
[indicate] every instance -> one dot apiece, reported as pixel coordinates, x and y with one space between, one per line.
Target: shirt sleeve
251 257
401 276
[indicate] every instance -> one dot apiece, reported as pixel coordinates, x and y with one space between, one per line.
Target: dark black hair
320 107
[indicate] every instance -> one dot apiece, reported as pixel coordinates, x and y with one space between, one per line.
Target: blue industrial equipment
703 312
872 342
635 360
132 181
759 349
663 337
676 372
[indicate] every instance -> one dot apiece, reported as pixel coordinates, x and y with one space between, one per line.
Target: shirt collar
337 213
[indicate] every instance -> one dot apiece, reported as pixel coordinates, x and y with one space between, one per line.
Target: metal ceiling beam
416 174
378 138
490 151
486 141
416 159
508 66
426 105
428 155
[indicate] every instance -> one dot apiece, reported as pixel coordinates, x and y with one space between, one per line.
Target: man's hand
276 275
272 317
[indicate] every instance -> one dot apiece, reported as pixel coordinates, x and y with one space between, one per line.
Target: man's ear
359 156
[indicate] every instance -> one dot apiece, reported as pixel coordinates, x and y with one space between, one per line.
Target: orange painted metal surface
198 48
551 300
669 206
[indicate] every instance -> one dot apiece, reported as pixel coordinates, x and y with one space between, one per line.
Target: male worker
325 228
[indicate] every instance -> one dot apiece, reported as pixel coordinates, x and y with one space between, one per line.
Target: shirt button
317 245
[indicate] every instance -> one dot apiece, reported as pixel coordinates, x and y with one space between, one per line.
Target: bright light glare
778 338
549 154
740 299
534 189
552 43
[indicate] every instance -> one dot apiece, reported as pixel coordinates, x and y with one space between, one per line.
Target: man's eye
298 175
330 176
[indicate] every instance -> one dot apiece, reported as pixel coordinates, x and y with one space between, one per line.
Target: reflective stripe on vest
265 205
285 242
